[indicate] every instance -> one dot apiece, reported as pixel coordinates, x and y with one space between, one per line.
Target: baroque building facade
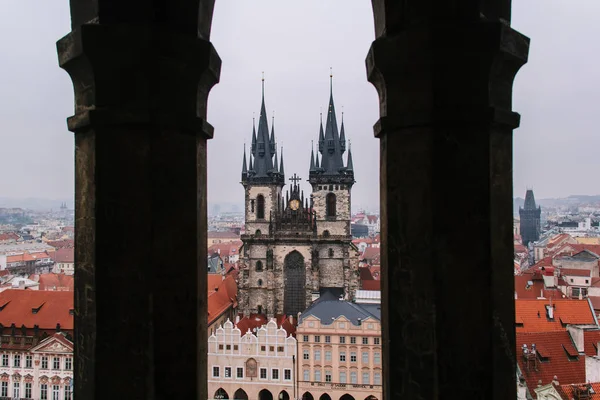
296 247
247 365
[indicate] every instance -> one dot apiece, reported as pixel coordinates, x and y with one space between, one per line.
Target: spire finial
330 79
263 84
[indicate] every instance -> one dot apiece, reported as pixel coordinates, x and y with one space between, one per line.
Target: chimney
291 319
237 319
555 381
22 284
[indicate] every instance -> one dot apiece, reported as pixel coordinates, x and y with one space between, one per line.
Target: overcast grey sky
295 43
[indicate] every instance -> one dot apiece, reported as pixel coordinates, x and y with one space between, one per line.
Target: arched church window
258 232
260 282
330 252
260 205
326 233
330 205
259 266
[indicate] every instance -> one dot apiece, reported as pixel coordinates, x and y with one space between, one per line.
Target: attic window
35 310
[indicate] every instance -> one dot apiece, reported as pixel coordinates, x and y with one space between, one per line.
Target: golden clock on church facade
294 204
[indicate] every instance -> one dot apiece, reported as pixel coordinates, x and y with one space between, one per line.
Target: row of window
353 356
343 377
342 339
239 373
280 349
56 362
28 388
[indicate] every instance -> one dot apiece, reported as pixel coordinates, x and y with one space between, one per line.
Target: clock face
294 204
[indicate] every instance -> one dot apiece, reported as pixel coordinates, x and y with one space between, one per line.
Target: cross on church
295 178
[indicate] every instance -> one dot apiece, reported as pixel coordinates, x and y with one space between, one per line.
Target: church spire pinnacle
281 164
342 134
244 166
350 165
312 156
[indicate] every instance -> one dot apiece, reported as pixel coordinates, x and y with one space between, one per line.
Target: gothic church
296 248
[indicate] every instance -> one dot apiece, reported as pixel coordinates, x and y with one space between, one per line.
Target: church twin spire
262 151
263 159
332 146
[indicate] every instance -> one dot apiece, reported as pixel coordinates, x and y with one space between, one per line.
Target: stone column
444 74
141 72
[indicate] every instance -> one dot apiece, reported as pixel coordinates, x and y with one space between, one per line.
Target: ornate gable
54 344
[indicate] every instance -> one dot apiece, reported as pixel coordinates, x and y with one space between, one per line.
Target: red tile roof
226 249
36 307
59 244
365 274
544 262
252 322
53 281
40 255
557 356
524 290
575 272
531 314
65 255
590 342
371 254
371 285
519 248
568 392
221 299
8 236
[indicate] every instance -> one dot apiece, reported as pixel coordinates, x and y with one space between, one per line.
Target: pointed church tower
331 180
530 216
262 180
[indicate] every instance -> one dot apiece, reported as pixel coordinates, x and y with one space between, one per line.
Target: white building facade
252 366
40 372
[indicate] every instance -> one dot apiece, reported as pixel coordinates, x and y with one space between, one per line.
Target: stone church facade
296 247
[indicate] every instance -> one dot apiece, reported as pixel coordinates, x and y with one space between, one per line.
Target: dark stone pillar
444 74
142 72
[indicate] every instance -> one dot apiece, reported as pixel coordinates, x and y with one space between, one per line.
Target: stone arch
294 275
259 265
325 396
283 395
221 394
371 397
258 232
347 397
265 395
326 233
330 205
260 206
240 394
307 396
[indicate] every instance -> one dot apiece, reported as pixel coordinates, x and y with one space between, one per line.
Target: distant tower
530 219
